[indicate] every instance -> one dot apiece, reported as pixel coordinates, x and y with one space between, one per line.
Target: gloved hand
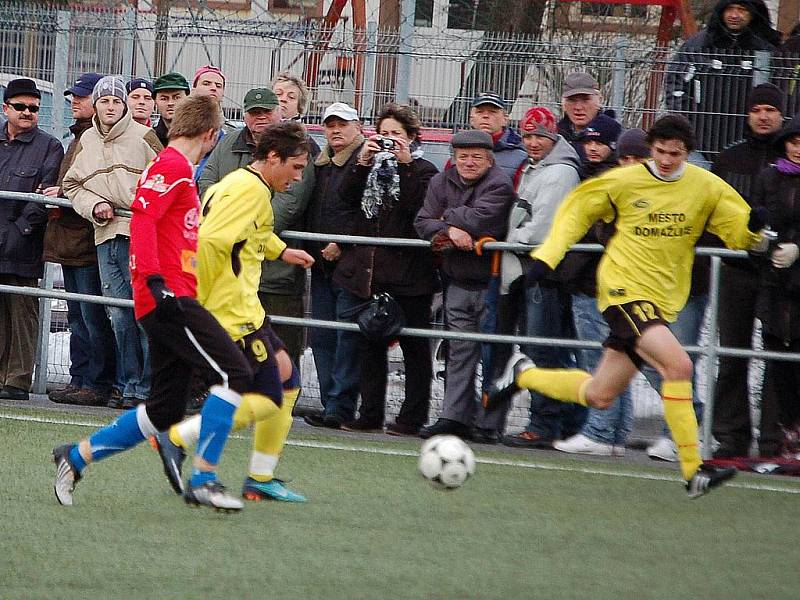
168 308
784 255
535 272
758 218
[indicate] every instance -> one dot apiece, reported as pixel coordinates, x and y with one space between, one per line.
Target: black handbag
380 318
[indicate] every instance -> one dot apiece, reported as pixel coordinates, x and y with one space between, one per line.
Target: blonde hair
286 77
194 115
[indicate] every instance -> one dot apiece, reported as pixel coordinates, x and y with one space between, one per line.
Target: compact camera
385 143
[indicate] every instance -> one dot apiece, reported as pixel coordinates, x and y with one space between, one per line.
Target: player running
661 207
183 336
236 236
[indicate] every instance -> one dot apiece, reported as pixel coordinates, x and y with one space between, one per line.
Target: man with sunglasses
29 162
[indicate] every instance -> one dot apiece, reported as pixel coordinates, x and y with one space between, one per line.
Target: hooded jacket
478 207
712 72
107 168
509 153
540 189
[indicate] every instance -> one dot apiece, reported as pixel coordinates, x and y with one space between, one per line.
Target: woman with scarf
778 189
389 181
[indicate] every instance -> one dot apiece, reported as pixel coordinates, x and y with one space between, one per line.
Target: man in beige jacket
108 161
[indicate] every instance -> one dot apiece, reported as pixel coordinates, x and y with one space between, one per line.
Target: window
423 13
599 9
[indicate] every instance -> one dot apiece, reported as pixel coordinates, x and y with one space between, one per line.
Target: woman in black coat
778 189
389 181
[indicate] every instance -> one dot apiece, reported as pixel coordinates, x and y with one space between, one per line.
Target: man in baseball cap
581 102
169 90
488 113
84 85
140 100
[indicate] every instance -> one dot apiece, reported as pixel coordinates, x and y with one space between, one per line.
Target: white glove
785 255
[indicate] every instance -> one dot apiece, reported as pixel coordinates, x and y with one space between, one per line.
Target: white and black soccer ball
446 461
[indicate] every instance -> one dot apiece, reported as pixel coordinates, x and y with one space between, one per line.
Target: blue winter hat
602 129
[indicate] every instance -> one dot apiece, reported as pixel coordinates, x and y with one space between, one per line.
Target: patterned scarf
383 182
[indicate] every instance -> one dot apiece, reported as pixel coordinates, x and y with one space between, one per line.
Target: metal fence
52 354
439 71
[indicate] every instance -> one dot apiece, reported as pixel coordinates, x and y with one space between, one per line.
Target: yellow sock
567 385
680 417
254 408
269 438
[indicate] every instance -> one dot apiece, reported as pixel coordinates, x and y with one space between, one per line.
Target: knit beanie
767 93
207 69
602 129
539 121
633 142
109 86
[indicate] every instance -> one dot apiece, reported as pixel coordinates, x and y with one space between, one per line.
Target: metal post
368 96
60 67
710 352
618 76
129 43
761 67
43 341
403 78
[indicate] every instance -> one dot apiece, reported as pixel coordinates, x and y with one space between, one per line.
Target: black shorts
627 323
260 348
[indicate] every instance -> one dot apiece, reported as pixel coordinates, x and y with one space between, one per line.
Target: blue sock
198 478
121 434
76 459
216 420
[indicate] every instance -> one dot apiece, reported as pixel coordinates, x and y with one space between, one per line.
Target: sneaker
275 489
361 426
59 395
213 495
114 399
66 475
172 457
663 449
504 387
708 477
401 429
527 439
445 427
581 444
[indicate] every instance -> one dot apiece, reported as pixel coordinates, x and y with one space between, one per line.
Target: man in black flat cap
464 203
29 161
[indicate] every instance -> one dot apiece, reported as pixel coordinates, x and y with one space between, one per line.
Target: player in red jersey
185 339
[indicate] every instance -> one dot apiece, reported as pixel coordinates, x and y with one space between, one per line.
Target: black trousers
197 347
780 399
737 307
418 369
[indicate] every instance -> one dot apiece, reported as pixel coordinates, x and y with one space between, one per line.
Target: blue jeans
547 315
337 354
687 331
91 341
614 424
133 362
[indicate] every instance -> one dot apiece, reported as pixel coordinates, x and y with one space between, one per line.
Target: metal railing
711 350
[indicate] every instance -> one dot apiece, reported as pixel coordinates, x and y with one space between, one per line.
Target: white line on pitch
486 461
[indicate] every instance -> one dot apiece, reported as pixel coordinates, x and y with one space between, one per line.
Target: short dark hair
194 115
403 114
286 139
673 127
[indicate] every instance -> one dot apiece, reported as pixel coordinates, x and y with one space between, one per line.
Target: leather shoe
481 435
329 421
10 392
528 439
399 429
361 426
445 427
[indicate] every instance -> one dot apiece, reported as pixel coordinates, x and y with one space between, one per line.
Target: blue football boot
273 489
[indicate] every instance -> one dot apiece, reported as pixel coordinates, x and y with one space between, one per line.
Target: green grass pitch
374 529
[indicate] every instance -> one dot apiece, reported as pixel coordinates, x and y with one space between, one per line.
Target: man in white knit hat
109 159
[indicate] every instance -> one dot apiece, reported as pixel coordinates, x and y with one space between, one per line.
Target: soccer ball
446 461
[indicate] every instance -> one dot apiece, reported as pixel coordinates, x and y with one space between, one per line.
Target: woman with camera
389 181
778 190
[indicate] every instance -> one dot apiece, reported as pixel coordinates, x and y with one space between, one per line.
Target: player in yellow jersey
235 236
660 208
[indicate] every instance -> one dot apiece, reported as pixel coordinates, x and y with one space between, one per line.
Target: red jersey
166 215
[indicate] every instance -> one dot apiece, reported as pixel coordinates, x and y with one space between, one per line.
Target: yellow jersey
236 235
658 222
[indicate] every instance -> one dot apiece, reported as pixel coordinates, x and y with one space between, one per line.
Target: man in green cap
282 285
169 90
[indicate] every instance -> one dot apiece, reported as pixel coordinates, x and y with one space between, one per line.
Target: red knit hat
539 121
206 69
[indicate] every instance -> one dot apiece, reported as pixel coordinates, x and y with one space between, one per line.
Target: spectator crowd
501 183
